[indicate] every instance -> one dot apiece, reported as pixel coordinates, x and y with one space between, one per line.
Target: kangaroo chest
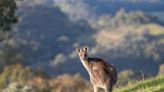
98 75
96 71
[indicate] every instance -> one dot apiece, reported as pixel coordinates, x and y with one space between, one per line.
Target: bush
161 69
14 73
70 83
128 76
17 87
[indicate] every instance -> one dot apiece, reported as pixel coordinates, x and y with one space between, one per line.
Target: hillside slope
47 38
150 85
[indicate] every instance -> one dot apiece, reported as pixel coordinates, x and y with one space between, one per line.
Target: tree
7 17
15 73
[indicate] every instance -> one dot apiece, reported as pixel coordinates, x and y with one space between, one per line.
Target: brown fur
102 74
102 71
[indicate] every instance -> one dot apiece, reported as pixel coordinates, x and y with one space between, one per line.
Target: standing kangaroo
102 74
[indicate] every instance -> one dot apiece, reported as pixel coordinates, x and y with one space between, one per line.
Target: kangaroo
102 75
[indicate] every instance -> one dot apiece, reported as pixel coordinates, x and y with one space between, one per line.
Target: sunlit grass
150 85
116 35
155 29
161 41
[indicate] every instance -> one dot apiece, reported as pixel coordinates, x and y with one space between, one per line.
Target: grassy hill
149 85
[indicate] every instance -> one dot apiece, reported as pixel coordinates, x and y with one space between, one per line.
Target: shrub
161 69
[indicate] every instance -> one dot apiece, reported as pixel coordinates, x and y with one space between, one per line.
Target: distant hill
47 38
101 7
44 32
111 6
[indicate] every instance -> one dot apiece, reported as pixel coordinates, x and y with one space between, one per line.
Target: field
150 85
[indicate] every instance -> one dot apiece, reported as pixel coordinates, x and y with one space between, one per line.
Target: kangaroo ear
86 49
78 50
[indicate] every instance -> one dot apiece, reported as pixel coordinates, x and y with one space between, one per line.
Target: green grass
149 85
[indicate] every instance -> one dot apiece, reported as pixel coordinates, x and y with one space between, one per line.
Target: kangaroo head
83 53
